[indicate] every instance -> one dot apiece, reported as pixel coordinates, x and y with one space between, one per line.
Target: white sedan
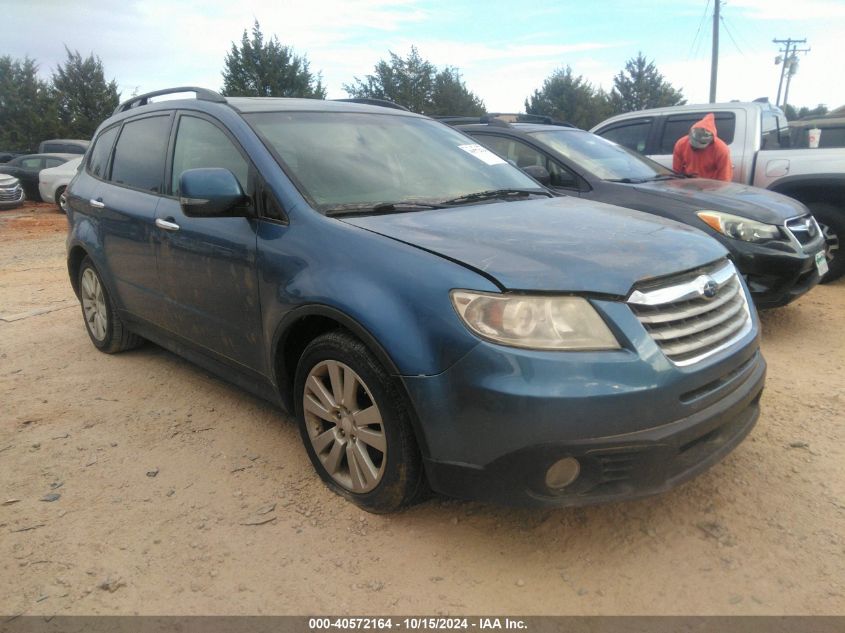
52 182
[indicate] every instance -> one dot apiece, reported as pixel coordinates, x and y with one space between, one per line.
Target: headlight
534 322
738 227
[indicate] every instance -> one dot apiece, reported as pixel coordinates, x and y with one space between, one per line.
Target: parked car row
432 316
42 176
762 152
27 170
773 239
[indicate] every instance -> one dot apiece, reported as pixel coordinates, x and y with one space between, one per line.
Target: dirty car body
439 287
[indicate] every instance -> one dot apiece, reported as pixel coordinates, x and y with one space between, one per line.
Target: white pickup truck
758 136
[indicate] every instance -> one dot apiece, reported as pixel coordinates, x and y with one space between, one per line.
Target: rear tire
107 331
355 425
832 222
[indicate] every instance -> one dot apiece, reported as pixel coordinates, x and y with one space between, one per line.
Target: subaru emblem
708 288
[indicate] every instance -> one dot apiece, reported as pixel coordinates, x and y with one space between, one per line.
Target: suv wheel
104 326
355 425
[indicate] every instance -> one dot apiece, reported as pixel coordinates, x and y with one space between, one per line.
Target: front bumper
497 420
777 274
11 197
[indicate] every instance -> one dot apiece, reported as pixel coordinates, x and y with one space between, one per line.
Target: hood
7 180
553 244
749 202
708 123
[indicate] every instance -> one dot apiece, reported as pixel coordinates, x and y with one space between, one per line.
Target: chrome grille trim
804 229
686 324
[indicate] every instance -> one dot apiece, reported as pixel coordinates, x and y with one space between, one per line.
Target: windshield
357 159
605 159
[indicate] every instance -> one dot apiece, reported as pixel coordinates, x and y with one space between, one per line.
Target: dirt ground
177 493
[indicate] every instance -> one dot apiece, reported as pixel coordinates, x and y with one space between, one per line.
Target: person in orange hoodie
702 153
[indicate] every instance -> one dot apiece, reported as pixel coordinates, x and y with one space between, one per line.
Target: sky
504 49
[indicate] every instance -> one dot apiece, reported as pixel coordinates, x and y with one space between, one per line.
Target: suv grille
696 314
803 229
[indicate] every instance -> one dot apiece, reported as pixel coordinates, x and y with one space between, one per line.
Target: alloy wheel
94 304
345 426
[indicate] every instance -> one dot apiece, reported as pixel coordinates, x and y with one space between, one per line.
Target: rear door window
99 160
631 134
139 153
678 125
32 163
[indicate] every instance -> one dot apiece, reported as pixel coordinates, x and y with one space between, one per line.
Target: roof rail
203 94
384 103
502 119
487 119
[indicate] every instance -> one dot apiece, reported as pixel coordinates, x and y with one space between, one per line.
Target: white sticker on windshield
482 154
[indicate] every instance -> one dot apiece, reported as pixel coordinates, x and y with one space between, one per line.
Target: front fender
393 294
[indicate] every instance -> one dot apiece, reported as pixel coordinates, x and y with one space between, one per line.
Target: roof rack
203 94
384 103
469 120
501 119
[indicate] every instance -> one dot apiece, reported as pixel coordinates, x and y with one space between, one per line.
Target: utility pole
714 59
789 63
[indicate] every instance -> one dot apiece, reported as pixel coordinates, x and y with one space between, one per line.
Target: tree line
77 97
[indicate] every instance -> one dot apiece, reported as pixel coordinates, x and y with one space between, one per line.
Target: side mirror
211 192
538 173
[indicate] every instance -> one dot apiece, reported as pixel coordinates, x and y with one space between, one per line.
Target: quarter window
139 154
99 161
632 135
200 143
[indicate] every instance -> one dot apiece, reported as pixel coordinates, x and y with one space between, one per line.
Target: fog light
562 473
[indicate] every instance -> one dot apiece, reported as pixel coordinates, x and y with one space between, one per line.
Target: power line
698 32
728 31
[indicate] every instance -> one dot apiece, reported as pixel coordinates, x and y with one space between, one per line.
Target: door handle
166 225
97 204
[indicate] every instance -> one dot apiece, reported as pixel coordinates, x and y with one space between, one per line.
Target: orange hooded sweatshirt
713 161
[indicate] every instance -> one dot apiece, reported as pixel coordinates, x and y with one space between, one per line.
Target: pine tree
27 110
566 97
640 86
83 97
416 83
259 68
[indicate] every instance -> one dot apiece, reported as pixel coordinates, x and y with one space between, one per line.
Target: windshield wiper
627 181
380 207
665 177
496 193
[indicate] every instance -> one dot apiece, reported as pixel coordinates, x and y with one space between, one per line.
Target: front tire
832 223
107 331
355 425
60 199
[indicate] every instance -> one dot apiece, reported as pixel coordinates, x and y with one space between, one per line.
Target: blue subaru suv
430 315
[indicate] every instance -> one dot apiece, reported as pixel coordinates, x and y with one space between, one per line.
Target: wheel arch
828 188
75 257
301 326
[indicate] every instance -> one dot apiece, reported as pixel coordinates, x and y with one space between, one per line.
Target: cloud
789 10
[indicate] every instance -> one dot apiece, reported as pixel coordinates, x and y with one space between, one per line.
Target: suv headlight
534 322
739 228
